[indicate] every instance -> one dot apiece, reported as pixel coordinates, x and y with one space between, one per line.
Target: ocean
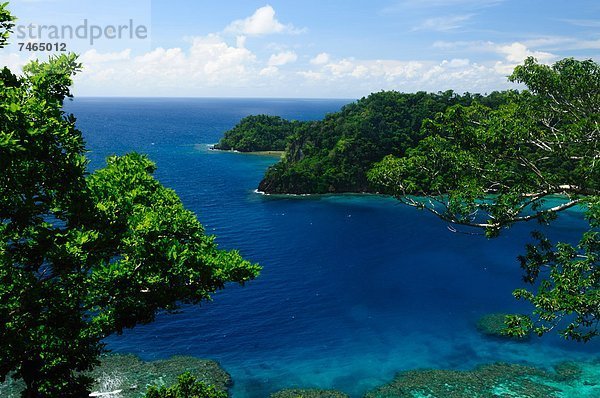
354 288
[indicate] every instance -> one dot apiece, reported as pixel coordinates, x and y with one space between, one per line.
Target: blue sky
326 48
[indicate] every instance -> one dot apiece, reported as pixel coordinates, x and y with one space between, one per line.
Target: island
333 155
258 133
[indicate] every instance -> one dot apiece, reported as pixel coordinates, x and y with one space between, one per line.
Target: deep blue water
354 288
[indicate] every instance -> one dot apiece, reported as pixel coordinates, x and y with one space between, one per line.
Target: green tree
83 255
258 133
187 387
530 159
334 154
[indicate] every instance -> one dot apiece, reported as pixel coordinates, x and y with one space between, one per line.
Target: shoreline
304 195
280 154
277 154
555 198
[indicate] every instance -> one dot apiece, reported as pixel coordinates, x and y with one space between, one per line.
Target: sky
302 49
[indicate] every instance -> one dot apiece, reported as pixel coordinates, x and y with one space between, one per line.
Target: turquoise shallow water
354 288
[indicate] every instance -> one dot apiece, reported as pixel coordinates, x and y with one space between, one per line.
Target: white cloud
269 71
586 23
262 22
449 3
211 66
475 45
240 41
517 52
367 76
320 59
563 43
583 45
283 58
343 67
311 75
446 23
456 63
403 5
209 61
222 65
14 61
93 57
387 70
547 41
216 56
514 52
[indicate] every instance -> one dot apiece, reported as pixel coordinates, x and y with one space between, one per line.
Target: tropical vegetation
84 255
529 159
333 155
258 133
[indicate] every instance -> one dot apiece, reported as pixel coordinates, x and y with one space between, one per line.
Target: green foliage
187 387
159 255
82 256
258 133
7 23
529 159
333 155
570 292
492 167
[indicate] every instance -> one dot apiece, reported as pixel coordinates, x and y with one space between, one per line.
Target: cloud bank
225 63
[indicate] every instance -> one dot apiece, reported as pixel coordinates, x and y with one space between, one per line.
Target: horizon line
212 97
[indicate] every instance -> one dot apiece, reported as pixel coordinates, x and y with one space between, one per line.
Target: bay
354 287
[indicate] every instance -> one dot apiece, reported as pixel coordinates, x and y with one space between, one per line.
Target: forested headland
258 133
333 155
483 162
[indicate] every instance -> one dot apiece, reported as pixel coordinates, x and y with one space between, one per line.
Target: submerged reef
567 380
11 388
309 393
127 376
484 381
493 325
133 376
568 371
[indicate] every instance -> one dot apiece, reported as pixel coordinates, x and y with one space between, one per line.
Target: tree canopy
83 255
258 133
187 387
334 155
529 159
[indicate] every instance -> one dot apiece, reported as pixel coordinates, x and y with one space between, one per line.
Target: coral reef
310 393
568 380
495 380
493 325
567 372
133 376
127 376
11 388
